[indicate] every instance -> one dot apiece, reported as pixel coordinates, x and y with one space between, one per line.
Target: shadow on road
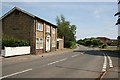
100 52
78 69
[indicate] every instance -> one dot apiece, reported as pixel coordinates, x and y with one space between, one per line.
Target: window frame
53 30
53 43
39 26
48 28
39 43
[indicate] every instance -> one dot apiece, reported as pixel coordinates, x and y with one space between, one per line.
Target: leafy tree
67 30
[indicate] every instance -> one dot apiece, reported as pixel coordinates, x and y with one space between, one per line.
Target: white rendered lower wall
12 51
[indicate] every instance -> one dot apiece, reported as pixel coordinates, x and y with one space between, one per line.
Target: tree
91 42
67 30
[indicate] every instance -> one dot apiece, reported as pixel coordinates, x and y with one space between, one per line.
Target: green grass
112 49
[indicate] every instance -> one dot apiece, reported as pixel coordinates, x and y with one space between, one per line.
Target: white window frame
47 28
53 30
53 43
39 43
39 26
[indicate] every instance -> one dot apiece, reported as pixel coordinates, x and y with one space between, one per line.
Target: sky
92 19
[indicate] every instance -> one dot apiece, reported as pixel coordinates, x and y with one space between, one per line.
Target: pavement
22 58
80 63
113 72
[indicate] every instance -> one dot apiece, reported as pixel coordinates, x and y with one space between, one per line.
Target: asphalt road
81 63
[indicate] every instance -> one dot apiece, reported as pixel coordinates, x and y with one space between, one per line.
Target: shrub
12 42
103 46
67 44
73 44
91 42
70 44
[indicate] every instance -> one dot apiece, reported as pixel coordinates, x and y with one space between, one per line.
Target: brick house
41 34
105 40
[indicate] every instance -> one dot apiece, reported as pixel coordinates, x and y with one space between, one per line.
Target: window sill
39 48
40 30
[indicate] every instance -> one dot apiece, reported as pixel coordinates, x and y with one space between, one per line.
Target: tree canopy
91 42
67 30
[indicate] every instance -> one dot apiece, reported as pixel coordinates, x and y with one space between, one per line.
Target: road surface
80 64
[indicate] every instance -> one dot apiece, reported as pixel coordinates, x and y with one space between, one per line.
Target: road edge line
16 73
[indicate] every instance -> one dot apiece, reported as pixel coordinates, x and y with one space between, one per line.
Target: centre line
16 73
105 63
75 55
57 61
110 62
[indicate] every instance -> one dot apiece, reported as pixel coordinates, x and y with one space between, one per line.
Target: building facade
41 34
60 43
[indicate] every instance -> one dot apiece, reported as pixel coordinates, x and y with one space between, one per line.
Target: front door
48 43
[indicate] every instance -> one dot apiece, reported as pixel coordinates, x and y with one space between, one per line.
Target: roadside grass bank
113 49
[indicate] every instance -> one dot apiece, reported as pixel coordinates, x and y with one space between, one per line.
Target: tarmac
21 58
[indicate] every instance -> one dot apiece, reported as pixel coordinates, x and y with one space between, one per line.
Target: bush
12 42
70 44
73 44
103 46
90 42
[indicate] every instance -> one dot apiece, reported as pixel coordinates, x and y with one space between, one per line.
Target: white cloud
97 12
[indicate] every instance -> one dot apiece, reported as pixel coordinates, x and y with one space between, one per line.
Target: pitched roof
16 8
103 38
25 12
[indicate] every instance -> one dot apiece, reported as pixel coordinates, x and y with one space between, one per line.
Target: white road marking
82 53
16 73
57 61
105 63
102 75
110 62
75 55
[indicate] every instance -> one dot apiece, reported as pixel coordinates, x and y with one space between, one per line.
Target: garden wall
12 51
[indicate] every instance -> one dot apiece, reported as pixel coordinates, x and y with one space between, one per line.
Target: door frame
48 43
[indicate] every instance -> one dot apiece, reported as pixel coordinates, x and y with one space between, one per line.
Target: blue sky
91 18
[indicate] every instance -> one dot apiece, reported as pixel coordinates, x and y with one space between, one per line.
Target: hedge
12 42
70 44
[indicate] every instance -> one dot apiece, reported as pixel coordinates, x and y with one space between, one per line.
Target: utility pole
118 23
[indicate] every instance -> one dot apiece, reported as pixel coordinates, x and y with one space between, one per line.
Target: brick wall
40 34
20 26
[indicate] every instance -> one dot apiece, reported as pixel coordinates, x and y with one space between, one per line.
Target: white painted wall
12 51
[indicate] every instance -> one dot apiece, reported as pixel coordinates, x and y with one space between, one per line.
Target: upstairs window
53 30
39 27
47 28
